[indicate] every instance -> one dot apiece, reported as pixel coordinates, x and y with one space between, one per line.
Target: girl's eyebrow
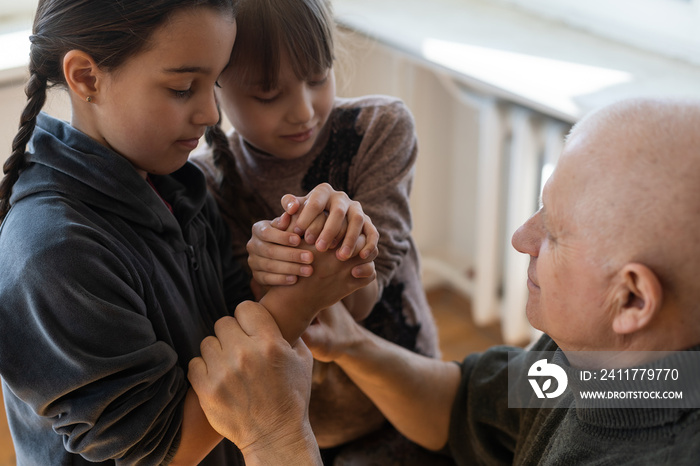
188 69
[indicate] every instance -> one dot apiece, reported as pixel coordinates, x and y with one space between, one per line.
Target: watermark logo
603 379
542 370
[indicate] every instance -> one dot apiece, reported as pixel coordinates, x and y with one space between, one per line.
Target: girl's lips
190 144
300 137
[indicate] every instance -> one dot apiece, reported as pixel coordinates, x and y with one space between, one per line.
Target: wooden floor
458 337
458 334
7 452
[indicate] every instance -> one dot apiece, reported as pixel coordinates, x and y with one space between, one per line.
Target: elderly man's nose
528 237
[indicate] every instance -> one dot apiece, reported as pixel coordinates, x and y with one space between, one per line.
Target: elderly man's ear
640 298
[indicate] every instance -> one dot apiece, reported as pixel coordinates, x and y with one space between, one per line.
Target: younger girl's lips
300 137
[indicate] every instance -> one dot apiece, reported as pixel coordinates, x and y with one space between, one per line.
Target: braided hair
110 31
239 206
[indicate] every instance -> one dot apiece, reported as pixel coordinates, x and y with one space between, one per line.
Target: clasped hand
325 218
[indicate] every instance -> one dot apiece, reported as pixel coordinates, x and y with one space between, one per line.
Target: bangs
303 29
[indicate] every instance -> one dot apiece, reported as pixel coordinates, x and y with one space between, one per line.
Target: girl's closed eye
319 79
266 97
319 82
182 94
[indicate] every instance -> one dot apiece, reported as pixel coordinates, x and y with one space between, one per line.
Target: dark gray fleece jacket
105 296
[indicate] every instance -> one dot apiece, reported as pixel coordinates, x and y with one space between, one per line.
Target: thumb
282 222
290 203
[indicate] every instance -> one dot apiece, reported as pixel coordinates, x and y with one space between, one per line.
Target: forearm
291 312
414 392
197 437
361 302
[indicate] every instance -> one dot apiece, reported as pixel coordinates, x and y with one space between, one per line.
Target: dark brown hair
267 29
301 29
111 32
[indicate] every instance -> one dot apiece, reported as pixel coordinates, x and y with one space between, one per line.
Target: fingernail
298 231
306 257
321 245
345 251
310 239
305 271
291 279
290 205
294 240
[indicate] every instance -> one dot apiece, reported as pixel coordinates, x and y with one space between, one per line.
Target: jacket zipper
193 257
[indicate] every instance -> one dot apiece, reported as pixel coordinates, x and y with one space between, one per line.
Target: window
670 27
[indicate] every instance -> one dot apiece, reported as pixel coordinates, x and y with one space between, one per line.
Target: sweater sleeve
382 178
483 429
77 345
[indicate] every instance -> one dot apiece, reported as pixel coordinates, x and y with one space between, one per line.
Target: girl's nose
208 112
302 109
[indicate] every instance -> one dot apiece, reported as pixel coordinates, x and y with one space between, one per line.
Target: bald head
635 171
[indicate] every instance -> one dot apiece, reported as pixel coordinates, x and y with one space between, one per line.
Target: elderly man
614 260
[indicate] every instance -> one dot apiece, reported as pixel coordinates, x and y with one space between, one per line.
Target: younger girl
115 263
291 134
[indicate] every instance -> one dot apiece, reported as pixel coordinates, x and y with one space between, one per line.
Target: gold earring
88 99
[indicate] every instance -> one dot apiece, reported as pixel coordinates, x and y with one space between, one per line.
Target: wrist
291 314
359 341
298 447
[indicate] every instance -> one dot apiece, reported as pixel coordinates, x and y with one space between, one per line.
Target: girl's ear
82 74
640 298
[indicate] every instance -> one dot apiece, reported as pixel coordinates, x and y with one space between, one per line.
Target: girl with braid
115 261
293 135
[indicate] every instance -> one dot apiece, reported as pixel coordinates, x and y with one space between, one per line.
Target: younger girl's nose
301 110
